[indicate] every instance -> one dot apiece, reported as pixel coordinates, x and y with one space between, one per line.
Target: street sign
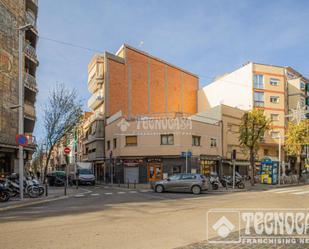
67 150
21 140
186 154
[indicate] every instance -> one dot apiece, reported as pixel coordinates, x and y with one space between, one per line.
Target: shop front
154 169
209 164
131 170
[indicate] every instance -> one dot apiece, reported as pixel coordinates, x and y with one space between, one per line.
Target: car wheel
196 190
159 189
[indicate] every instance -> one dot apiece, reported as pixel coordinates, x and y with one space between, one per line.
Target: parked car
85 176
195 183
56 178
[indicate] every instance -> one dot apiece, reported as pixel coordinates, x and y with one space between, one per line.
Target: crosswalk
115 192
296 191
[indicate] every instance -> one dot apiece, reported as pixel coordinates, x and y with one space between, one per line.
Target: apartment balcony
30 52
33 5
30 82
96 99
29 110
30 18
95 81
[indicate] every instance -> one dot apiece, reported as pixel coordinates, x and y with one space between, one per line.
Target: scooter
228 181
29 188
214 181
4 193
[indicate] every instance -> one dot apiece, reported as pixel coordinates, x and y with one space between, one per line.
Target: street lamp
21 35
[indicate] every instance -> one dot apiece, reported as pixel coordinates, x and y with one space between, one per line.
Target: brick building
14 14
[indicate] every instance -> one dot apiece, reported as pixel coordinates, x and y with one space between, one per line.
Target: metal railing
30 51
96 99
30 81
30 18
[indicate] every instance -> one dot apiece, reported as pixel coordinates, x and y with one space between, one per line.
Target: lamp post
21 35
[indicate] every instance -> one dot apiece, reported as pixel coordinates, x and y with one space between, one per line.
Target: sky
207 38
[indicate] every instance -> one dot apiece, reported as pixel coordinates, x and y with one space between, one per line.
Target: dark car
56 178
195 183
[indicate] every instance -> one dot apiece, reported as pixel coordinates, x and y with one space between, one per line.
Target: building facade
267 87
149 148
14 14
135 83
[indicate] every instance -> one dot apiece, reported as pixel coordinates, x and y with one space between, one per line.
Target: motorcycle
214 181
228 181
4 193
29 188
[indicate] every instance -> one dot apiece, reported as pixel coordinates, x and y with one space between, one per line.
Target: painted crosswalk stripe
108 193
133 192
79 195
121 192
145 190
287 191
95 194
301 193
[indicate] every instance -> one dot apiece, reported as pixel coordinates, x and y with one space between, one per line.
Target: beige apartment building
14 14
135 83
151 147
261 86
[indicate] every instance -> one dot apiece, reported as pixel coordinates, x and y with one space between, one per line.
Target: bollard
65 188
76 182
134 184
46 189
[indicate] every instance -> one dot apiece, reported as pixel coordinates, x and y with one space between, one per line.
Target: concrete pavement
118 218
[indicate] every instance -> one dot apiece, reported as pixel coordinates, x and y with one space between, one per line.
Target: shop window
167 139
131 140
196 140
108 145
213 142
115 143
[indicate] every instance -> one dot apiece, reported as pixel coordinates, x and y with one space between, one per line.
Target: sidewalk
54 193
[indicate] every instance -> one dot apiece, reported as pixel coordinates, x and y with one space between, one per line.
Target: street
106 217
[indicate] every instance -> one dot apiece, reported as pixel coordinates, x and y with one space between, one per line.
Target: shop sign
154 160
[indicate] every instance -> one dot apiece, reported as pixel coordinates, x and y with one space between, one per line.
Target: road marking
108 193
121 193
133 192
287 191
145 190
79 195
301 193
95 194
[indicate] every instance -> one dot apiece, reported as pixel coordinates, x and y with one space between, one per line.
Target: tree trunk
252 164
47 162
299 167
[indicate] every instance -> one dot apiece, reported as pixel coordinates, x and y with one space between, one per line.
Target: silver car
195 183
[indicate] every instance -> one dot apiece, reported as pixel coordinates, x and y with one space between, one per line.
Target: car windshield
84 171
175 177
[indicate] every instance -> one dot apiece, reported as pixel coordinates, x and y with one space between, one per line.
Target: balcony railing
258 103
30 81
95 81
35 2
30 51
30 18
96 99
29 110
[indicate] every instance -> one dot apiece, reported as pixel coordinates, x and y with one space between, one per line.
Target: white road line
287 191
145 190
95 194
301 193
281 190
121 193
133 192
108 193
79 195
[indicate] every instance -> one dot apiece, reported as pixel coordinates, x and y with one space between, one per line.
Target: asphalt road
116 218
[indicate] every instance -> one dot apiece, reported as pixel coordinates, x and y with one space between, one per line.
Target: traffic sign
21 140
67 150
186 154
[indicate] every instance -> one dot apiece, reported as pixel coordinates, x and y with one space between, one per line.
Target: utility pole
21 37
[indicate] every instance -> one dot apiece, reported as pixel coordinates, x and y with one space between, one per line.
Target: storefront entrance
208 165
154 172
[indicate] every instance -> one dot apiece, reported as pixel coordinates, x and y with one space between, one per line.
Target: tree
297 136
252 129
61 113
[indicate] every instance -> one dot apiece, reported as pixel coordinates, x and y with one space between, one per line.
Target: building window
274 134
274 82
115 143
274 99
196 140
274 117
108 145
258 99
302 85
258 81
167 139
213 142
131 140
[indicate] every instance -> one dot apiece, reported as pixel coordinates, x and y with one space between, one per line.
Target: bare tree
61 113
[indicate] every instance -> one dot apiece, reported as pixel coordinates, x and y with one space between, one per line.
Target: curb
33 203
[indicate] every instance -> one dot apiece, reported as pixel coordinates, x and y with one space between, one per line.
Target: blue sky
207 37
